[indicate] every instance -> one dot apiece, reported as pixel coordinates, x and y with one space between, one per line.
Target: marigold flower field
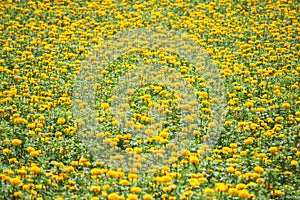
250 150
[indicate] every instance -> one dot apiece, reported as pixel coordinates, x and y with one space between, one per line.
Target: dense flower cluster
44 48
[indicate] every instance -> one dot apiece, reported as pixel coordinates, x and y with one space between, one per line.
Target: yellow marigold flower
20 120
286 105
16 142
194 182
261 109
249 140
39 186
230 170
294 163
10 172
263 84
259 169
233 145
61 121
71 182
5 140
196 132
105 187
259 180
243 153
233 191
183 197
208 191
120 174
228 123
34 192
244 193
277 92
278 119
164 134
221 187
104 106
69 169
189 119
74 163
34 153
36 169
157 89
135 189
183 69
249 104
18 194
241 186
26 187
194 160
21 172
6 151
112 174
237 87
165 169
253 126
147 197
273 150
166 179
261 155
124 182
251 175
202 95
31 133
277 192
132 197
95 188
270 120
16 181
96 171
186 153
132 177
164 196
